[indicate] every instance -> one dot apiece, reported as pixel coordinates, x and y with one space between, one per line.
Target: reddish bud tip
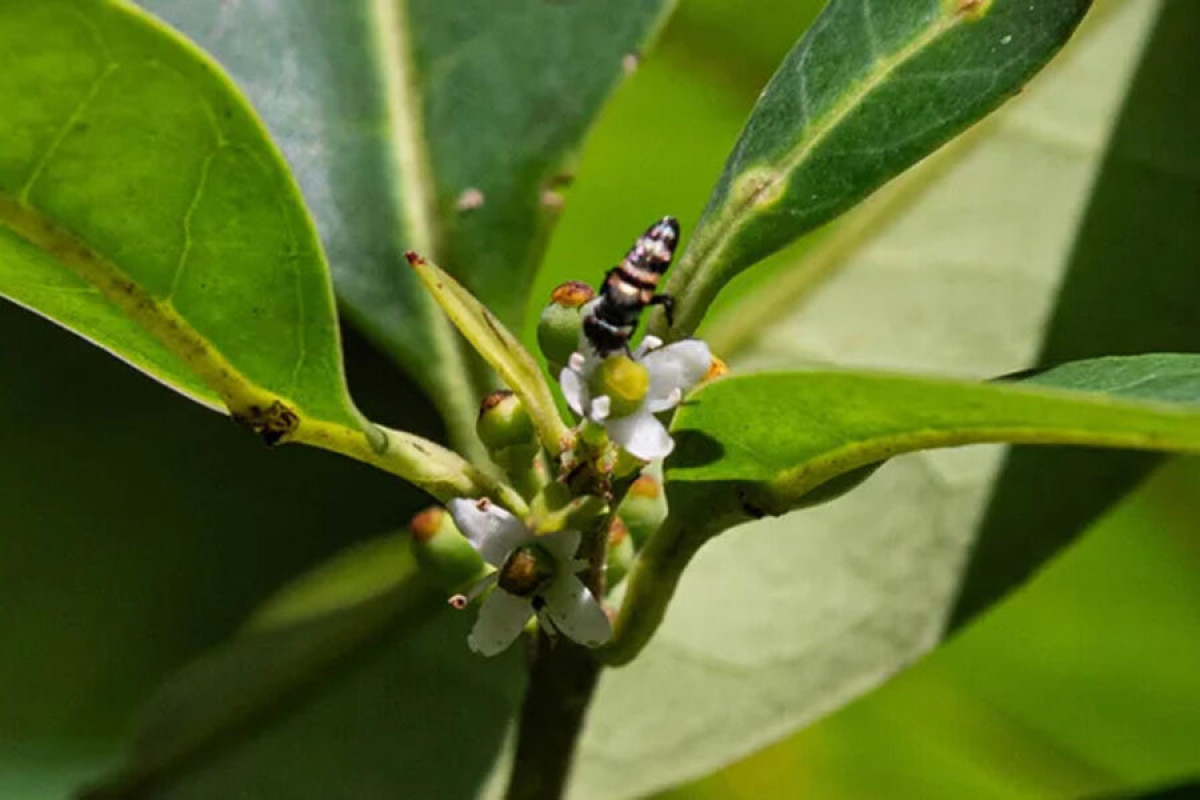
617 531
572 294
425 525
717 369
494 399
413 258
645 486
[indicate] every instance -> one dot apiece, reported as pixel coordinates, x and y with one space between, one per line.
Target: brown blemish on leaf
272 423
970 9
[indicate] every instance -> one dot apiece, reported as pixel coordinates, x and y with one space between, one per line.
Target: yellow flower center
624 381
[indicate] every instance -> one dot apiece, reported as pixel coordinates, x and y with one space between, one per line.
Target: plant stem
561 684
562 680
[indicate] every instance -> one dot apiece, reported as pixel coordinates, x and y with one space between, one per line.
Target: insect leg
668 306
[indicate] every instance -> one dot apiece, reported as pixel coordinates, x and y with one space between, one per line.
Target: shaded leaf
139 529
869 90
447 128
295 681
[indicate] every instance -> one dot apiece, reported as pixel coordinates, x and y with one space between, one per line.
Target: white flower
673 370
561 602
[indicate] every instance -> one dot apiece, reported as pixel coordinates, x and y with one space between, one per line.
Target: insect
629 287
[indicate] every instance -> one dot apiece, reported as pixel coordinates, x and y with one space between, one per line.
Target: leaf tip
414 258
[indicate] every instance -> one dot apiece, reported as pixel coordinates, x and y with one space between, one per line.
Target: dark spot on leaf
271 424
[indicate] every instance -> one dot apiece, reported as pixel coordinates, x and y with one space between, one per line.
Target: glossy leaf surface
143 206
870 89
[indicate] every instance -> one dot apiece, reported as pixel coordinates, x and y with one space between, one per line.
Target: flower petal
561 545
641 434
492 531
575 612
574 389
601 408
500 622
649 343
677 366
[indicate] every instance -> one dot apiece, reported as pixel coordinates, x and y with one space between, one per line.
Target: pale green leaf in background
1051 694
1131 287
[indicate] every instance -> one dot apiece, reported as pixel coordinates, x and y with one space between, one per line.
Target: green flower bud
443 553
644 508
561 322
503 422
624 381
620 552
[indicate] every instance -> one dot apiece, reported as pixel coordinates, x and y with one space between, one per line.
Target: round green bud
562 321
624 380
644 508
503 422
443 553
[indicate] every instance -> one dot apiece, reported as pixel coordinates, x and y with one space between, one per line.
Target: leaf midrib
415 198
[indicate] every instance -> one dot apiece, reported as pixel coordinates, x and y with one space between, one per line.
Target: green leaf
1143 212
446 128
195 260
143 206
870 89
515 365
299 678
766 444
788 434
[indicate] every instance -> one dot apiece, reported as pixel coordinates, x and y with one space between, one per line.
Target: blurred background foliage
140 530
